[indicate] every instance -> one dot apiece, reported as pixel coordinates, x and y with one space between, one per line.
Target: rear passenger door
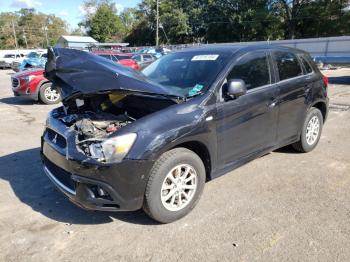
292 85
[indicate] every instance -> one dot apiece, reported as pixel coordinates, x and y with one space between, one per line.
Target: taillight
326 81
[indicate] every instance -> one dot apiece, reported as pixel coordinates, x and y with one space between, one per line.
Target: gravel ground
284 206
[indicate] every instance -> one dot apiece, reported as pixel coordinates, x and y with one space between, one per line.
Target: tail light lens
135 66
326 81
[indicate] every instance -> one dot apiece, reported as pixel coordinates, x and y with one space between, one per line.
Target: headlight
113 149
28 78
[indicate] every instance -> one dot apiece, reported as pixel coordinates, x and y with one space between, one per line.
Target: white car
6 61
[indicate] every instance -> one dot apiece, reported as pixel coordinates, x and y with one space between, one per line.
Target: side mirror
236 88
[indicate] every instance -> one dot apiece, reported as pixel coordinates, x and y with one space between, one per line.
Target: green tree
7 39
31 29
104 24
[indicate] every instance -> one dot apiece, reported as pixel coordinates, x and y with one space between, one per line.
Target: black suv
124 140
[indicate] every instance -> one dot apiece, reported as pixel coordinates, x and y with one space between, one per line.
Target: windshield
187 73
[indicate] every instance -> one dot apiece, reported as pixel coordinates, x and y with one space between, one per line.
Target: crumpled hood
76 72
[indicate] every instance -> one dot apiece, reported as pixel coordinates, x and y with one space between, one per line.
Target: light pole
157 29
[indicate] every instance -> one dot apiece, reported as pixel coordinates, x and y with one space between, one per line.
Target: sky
69 10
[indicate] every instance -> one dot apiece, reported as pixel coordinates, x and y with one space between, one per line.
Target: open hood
76 72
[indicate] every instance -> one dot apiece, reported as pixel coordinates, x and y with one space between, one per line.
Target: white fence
326 46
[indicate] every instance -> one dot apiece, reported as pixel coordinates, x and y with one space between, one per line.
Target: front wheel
175 185
49 95
311 131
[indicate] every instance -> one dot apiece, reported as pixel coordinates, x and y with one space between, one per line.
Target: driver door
248 124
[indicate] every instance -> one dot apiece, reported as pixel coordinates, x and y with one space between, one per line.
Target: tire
306 144
44 95
169 164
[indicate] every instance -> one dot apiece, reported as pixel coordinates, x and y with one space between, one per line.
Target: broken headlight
113 149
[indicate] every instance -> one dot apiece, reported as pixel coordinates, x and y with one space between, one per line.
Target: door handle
272 103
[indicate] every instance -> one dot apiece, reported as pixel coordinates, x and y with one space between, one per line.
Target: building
74 41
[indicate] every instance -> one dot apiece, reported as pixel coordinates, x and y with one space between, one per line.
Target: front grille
56 138
60 174
15 82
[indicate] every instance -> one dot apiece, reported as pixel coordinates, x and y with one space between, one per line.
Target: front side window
9 56
253 69
288 65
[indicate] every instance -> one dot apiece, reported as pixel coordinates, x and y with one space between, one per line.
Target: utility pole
157 30
14 34
162 27
25 38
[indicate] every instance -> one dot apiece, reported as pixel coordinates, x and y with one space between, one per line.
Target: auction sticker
205 58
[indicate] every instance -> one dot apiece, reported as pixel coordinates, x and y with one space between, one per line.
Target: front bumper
93 185
20 89
4 64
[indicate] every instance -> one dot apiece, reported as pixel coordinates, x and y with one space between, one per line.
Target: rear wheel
175 185
48 94
311 132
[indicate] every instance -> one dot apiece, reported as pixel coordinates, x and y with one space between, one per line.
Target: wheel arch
322 106
40 85
202 151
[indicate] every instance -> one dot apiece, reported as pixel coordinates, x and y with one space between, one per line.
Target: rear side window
253 69
288 65
306 65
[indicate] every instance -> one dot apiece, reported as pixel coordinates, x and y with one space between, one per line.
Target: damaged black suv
124 140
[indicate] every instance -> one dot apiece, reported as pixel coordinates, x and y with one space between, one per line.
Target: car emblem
54 140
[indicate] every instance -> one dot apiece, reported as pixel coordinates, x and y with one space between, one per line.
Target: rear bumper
95 186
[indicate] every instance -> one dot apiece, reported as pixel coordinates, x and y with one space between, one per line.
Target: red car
120 58
33 84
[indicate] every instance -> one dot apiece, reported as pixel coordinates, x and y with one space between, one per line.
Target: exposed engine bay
97 117
91 125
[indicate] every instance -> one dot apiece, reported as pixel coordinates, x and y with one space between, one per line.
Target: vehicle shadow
339 80
286 150
17 100
23 171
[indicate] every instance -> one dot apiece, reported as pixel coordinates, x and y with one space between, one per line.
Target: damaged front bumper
87 182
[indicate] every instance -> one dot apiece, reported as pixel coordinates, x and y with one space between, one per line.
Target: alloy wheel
51 94
179 187
312 130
